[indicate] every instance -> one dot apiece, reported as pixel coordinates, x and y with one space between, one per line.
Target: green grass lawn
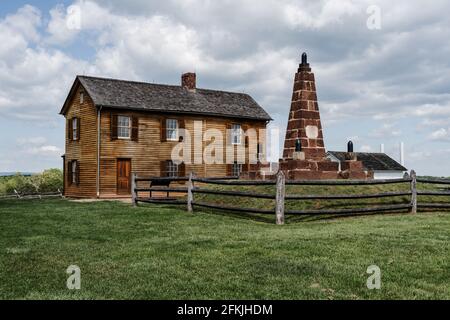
163 252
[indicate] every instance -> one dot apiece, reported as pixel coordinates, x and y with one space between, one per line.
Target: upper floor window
81 97
75 129
123 127
236 134
172 129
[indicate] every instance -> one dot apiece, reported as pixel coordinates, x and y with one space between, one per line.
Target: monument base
323 169
309 169
257 171
353 169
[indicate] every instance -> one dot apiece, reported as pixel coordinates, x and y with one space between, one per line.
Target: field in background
162 252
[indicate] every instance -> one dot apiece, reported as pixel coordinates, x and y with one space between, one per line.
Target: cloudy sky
379 80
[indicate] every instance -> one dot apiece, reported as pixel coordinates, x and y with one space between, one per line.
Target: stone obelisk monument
304 155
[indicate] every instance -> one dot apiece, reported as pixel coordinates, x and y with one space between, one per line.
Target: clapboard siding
85 149
146 153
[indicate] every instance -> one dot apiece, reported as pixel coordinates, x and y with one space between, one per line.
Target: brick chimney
188 81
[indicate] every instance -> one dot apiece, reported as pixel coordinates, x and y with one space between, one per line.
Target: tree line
48 181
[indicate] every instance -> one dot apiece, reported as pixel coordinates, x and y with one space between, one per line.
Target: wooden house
116 127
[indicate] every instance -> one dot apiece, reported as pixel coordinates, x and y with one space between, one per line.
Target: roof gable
141 96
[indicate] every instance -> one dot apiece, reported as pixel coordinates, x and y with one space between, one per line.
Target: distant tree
19 183
3 181
51 180
48 181
35 182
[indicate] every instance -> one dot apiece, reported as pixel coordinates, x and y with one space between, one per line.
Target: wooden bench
159 183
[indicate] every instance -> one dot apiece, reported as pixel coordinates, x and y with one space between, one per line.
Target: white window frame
121 127
236 134
81 97
75 129
172 169
172 130
74 171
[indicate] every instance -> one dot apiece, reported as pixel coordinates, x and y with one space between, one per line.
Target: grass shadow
293 219
246 216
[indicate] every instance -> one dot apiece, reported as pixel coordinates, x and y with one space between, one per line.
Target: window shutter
69 173
229 170
135 128
182 126
70 130
163 168
246 139
113 126
78 129
77 173
163 130
182 170
228 134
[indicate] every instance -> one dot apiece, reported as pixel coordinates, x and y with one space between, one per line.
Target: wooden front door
123 176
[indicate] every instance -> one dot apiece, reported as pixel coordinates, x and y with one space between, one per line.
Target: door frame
117 176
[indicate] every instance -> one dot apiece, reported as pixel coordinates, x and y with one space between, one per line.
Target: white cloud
58 27
366 148
301 15
34 78
35 86
38 146
354 139
32 141
432 110
427 122
45 151
16 32
151 41
24 23
441 135
420 155
394 76
387 130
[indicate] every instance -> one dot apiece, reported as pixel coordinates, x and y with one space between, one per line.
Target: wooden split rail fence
25 196
280 197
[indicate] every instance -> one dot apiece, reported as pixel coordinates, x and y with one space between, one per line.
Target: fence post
190 194
413 192
17 194
281 189
133 189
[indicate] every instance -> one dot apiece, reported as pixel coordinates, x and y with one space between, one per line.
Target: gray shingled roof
143 96
373 161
